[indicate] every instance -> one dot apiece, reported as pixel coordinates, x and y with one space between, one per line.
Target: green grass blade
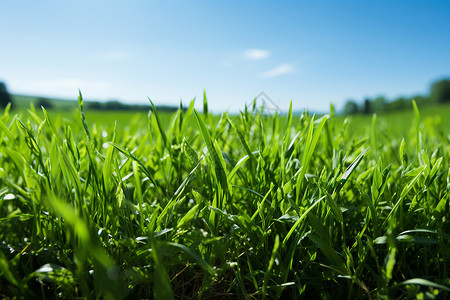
188 216
215 154
417 172
83 118
205 104
7 271
201 262
353 165
424 282
107 165
133 157
53 129
8 133
243 142
271 263
311 142
300 219
161 288
187 115
158 121
417 126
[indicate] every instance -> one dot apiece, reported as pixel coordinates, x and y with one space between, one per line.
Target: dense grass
398 124
247 206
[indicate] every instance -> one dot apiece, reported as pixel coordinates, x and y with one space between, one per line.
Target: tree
379 104
398 104
367 107
421 100
350 107
46 103
5 98
440 91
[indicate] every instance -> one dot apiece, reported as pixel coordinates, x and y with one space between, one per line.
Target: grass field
23 102
222 207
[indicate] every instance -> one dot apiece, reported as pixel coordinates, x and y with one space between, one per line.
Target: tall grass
247 206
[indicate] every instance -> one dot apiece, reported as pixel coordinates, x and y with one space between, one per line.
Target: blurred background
362 56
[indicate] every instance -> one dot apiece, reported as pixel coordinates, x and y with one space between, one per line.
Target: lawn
191 205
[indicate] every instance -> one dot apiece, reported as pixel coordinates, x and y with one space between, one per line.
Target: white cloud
278 71
255 54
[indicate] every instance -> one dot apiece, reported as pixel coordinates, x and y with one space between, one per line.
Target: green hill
24 101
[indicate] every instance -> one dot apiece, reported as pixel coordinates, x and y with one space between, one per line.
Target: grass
397 124
24 101
247 206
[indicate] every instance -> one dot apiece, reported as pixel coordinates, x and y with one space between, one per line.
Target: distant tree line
439 93
48 103
117 105
114 105
5 97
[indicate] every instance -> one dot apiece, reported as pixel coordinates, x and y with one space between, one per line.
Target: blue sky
310 52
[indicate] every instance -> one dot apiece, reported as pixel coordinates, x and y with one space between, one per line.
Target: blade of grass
161 288
310 145
271 263
300 219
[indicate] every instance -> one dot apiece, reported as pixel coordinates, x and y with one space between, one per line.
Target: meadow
249 206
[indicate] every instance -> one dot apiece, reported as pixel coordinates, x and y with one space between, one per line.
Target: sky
308 52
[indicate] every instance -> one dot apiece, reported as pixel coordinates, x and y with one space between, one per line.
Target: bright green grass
433 118
249 206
